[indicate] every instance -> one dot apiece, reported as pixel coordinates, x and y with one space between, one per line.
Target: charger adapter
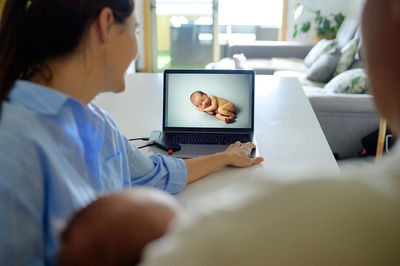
167 144
155 134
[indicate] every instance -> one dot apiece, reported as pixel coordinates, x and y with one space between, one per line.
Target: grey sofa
266 57
344 118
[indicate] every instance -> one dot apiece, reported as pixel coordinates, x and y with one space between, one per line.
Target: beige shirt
351 219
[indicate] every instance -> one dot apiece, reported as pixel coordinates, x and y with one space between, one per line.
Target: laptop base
194 150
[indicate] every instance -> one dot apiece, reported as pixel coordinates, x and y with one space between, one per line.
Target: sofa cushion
322 47
357 64
359 51
291 64
260 66
346 31
353 81
324 68
312 90
348 54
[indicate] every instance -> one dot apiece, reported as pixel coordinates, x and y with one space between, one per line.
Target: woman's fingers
239 153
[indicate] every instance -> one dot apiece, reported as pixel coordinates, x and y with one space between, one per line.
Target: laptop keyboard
207 138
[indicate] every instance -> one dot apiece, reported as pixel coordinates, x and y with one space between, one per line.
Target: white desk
287 131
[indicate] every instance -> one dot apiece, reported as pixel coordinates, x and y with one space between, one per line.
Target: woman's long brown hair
32 31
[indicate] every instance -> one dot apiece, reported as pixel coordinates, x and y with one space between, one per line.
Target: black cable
150 141
145 139
147 145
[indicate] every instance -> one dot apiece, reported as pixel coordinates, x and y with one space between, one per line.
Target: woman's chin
119 88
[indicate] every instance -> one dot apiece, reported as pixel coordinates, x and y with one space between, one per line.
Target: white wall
347 7
355 7
140 62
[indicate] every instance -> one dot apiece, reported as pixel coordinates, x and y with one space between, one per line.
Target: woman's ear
104 22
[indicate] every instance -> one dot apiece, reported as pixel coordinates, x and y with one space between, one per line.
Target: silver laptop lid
233 86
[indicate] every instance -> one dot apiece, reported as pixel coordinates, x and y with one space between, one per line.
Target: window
186 30
251 12
184 7
250 20
180 24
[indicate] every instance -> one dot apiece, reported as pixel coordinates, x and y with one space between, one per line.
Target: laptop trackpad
195 150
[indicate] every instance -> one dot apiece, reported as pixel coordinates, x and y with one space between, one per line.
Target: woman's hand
238 154
235 155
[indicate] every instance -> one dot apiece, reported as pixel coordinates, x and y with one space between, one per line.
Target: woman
58 151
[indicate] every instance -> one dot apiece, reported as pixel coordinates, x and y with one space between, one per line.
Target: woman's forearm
202 166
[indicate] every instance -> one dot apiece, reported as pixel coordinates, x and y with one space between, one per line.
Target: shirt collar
38 98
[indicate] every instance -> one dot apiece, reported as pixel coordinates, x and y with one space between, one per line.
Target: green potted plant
325 26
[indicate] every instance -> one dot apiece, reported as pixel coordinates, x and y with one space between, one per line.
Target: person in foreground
136 216
349 219
58 151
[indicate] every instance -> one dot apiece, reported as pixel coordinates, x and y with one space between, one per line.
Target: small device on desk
167 145
252 153
155 134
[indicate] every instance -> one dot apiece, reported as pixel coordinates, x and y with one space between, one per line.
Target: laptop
190 116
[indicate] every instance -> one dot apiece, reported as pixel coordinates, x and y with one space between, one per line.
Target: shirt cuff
176 179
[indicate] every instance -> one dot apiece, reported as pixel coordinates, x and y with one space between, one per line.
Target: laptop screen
204 100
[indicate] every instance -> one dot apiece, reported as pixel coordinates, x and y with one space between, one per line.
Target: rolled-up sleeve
163 172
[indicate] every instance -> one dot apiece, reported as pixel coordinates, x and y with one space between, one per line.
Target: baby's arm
214 104
204 110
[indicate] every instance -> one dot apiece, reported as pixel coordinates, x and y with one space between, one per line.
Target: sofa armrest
345 119
269 49
342 103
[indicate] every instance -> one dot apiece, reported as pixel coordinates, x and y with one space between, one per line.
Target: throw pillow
353 81
322 70
357 64
322 47
358 53
348 53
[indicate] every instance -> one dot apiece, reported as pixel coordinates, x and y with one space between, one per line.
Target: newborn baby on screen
222 109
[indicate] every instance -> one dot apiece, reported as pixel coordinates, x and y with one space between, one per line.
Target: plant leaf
298 11
295 32
324 26
339 18
305 27
296 6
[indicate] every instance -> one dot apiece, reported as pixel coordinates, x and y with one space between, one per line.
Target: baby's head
115 229
200 99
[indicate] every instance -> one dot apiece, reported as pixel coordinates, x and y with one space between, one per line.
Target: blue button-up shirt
56 156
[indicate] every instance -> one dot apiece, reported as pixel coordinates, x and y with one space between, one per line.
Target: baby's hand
200 109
